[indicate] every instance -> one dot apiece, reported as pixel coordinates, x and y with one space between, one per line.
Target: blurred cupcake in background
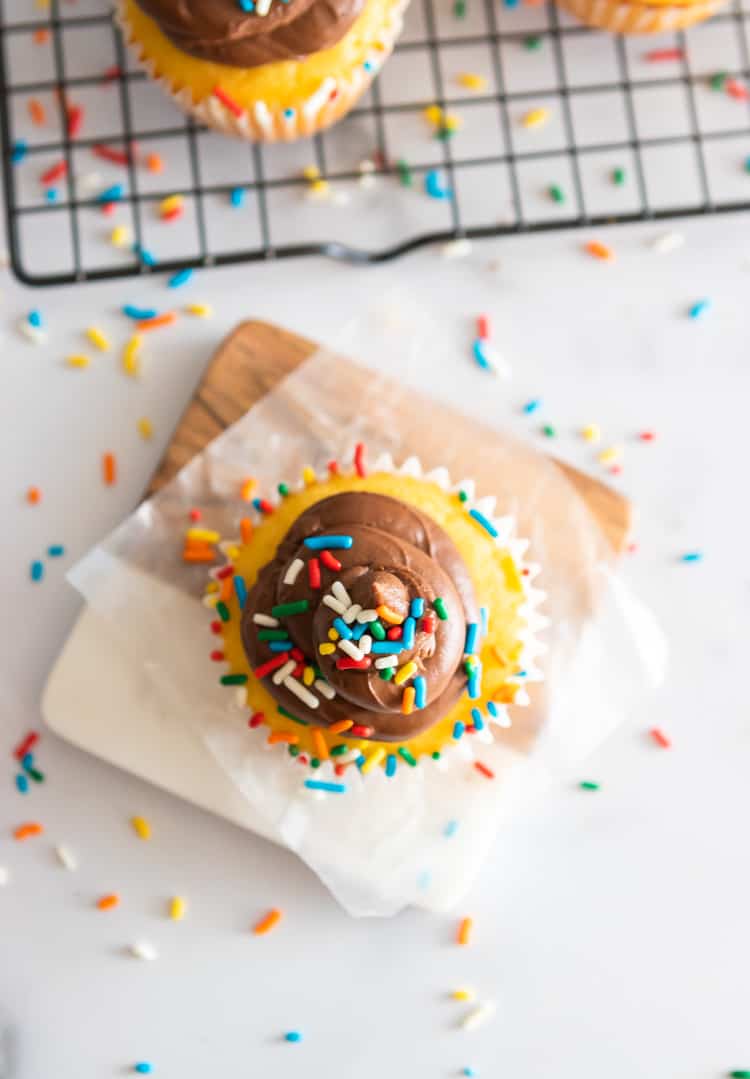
641 16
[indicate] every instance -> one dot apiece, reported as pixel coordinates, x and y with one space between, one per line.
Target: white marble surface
611 928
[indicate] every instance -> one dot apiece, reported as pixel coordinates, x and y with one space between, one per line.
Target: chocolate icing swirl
398 554
221 32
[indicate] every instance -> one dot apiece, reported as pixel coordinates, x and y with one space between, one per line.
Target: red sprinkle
631 548
298 654
333 468
329 561
109 153
271 665
227 101
112 73
647 436
225 571
313 573
256 720
664 54
302 759
217 657
216 626
264 505
56 172
483 327
26 745
170 215
660 738
359 459
348 664
737 90
195 515
75 120
359 730
428 624
484 770
339 769
298 670
108 208
395 633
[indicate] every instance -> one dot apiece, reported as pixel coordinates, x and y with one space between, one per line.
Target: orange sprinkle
107 902
600 251
246 529
247 488
388 615
159 320
37 112
287 737
341 725
25 831
465 927
191 554
154 163
660 738
109 468
226 590
407 701
41 36
33 495
267 922
321 748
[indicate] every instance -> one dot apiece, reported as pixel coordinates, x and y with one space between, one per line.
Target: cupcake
376 621
646 17
263 69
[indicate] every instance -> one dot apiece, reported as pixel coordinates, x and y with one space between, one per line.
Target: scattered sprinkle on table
293 1036
109 469
27 831
267 922
145 428
36 571
98 338
66 858
463 934
33 496
143 1067
532 406
588 785
599 250
660 738
591 433
692 556
199 310
108 902
548 430
177 908
668 241
478 1016
180 278
698 309
143 949
157 321
4 876
131 359
463 994
610 455
22 783
141 827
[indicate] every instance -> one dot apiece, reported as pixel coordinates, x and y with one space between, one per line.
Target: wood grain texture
254 358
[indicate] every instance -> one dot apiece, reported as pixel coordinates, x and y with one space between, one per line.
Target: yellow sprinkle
200 310
327 649
591 433
208 535
78 361
403 674
472 81
167 205
463 994
141 827
311 172
131 360
373 759
308 476
451 122
308 676
536 117
320 187
608 457
120 236
233 552
333 634
97 338
247 488
212 586
177 908
433 114
145 428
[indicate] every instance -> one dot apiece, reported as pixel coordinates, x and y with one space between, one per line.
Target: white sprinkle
350 649
33 333
480 1015
341 593
263 7
382 663
4 876
367 616
210 600
334 604
66 858
352 613
456 249
240 697
143 949
265 620
302 692
283 672
324 688
89 182
293 572
668 241
365 643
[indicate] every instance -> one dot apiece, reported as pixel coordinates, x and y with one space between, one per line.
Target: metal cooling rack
681 144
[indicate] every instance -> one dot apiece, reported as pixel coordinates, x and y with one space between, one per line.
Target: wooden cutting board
256 356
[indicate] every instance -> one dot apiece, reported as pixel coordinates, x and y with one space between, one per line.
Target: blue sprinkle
424 880
391 763
359 630
35 319
699 308
469 1072
475 685
420 691
481 356
37 570
417 607
237 197
482 520
56 550
368 65
386 648
409 631
240 589
360 760
435 187
280 646
692 556
51 194
484 618
111 194
450 829
27 761
293 1035
19 151
492 709
476 718
520 674
329 543
320 785
472 631
144 255
143 1067
532 406
289 113
458 729
180 278
342 629
22 783
139 313
247 5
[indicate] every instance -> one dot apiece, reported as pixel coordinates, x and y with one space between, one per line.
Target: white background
611 928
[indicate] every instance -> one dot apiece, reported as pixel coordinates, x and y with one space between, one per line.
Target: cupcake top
255 32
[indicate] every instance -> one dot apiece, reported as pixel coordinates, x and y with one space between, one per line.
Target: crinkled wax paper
382 845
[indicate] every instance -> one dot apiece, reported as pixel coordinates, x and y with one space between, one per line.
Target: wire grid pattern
681 144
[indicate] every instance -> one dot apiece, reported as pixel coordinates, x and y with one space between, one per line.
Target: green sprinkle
556 193
588 785
282 610
717 83
386 673
319 673
548 431
407 756
740 1073
404 173
233 679
35 774
436 755
532 43
462 496
315 763
223 610
272 635
618 177
377 630
439 604
459 9
336 751
283 489
296 719
445 133
294 751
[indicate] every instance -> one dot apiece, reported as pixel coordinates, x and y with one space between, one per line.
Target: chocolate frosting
398 554
220 31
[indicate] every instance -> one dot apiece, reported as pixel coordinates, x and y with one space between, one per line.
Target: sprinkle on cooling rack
18 152
267 922
656 56
108 902
27 831
556 193
180 278
535 118
435 185
472 81
667 242
33 496
599 250
405 175
227 101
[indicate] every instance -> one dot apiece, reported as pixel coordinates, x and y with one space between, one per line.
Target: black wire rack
625 139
